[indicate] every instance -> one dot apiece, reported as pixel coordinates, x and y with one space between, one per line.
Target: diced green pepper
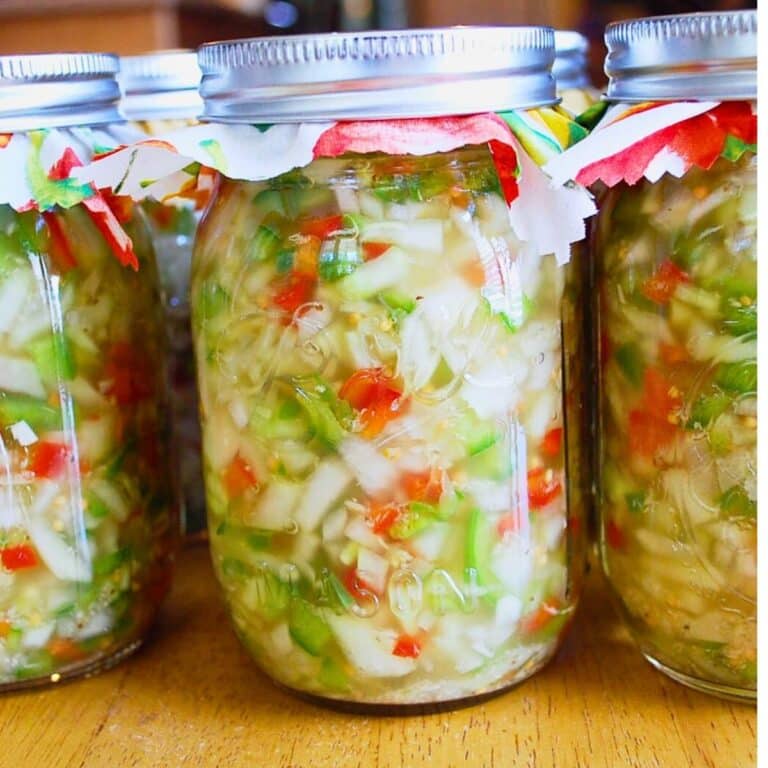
736 503
334 593
630 360
706 409
740 378
273 595
269 237
37 413
340 260
635 501
323 409
307 628
53 358
213 300
332 676
106 564
397 301
739 318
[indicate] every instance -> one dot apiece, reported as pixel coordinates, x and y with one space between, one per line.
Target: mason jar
382 366
676 303
160 94
571 71
87 512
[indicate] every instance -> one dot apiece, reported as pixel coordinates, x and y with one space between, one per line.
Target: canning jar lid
162 85
49 90
377 75
689 56
570 67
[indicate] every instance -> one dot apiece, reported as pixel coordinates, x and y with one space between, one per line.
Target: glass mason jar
676 271
87 514
160 94
574 86
391 513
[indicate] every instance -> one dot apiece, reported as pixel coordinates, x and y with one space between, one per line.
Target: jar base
741 695
396 710
73 671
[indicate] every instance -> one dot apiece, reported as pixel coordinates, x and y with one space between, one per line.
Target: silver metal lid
570 67
690 56
377 75
51 90
160 86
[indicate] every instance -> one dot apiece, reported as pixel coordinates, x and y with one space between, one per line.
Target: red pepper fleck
322 228
47 459
360 589
543 487
661 286
407 646
373 250
375 396
614 536
239 477
552 443
18 557
297 289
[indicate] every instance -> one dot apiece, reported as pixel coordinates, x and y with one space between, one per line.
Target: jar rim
49 90
377 74
160 85
699 56
570 67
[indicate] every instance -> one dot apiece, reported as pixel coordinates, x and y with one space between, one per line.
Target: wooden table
193 698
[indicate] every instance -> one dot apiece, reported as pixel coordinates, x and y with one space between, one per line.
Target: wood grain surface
191 697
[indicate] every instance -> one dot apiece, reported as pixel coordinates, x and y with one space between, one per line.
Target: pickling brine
380 363
87 511
677 264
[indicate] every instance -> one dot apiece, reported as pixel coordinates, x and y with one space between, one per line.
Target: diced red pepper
407 646
672 354
5 626
47 459
655 423
17 557
239 477
661 286
64 649
543 487
383 516
423 486
61 252
552 443
372 250
614 536
375 396
321 228
360 589
538 619
295 290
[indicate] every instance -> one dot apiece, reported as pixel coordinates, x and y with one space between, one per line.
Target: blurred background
136 26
